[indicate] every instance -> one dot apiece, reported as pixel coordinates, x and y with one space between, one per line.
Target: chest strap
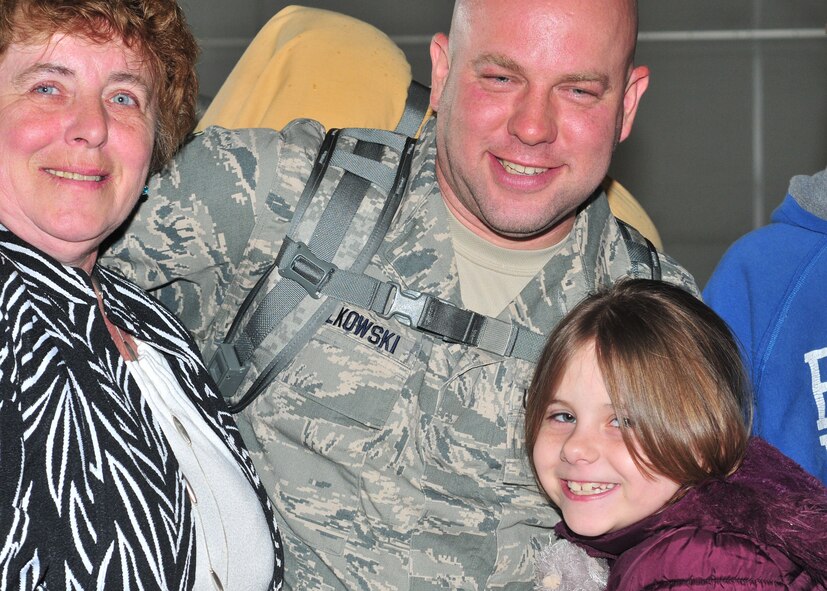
420 311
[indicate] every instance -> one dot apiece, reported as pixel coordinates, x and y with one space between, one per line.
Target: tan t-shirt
491 276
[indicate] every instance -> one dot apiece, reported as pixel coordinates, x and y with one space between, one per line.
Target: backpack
350 161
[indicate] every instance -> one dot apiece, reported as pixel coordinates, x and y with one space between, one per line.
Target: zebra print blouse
91 496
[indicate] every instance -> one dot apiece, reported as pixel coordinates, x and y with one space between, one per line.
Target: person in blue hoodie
771 288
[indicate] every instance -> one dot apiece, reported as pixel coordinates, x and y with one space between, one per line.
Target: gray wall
737 103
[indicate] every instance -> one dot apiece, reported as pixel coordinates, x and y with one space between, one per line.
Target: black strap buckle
434 315
226 370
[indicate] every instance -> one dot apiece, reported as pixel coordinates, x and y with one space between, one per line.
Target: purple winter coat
763 528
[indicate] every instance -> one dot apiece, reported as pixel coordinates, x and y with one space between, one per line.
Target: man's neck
546 239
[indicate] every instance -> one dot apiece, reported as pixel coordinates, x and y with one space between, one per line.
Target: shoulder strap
643 254
352 172
416 108
356 170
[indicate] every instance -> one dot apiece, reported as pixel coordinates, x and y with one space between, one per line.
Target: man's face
531 102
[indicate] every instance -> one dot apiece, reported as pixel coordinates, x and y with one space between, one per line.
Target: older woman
119 466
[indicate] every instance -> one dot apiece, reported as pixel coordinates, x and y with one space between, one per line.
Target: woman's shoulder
130 302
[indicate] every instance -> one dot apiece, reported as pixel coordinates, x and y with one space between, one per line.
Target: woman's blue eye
45 89
124 99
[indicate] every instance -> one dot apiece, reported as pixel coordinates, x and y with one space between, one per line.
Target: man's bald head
466 12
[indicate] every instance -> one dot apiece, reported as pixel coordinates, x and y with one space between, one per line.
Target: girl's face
582 461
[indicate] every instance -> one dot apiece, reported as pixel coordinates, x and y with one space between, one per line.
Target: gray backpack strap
643 254
416 107
361 168
430 314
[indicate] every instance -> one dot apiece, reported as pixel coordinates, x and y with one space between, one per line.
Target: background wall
737 102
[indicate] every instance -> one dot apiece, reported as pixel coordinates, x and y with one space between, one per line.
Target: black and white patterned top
91 496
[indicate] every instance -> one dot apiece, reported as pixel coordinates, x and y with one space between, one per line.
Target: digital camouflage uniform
395 460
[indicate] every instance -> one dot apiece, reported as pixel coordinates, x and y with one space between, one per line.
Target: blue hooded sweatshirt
771 287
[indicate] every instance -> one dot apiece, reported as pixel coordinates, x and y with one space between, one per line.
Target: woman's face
582 461
77 125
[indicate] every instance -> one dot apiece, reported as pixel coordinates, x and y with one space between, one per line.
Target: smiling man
531 105
394 457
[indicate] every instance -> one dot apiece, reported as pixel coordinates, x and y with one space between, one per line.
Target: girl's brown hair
157 29
672 371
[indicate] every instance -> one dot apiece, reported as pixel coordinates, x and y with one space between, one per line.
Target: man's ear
440 64
637 85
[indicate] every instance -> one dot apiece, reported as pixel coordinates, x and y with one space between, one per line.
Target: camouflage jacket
395 460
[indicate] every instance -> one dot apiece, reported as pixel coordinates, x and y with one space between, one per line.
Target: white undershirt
232 540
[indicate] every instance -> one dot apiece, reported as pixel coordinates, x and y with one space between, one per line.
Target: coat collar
611 545
769 499
55 282
419 246
58 287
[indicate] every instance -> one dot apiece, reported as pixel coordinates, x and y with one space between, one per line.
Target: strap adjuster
227 371
304 267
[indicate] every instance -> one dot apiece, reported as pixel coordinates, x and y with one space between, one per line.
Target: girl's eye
122 98
616 422
562 417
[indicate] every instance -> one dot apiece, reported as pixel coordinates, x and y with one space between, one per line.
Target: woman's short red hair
156 28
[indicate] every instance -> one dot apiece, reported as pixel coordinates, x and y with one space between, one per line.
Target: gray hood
810 192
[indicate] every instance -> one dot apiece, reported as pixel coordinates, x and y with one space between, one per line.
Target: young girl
638 430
